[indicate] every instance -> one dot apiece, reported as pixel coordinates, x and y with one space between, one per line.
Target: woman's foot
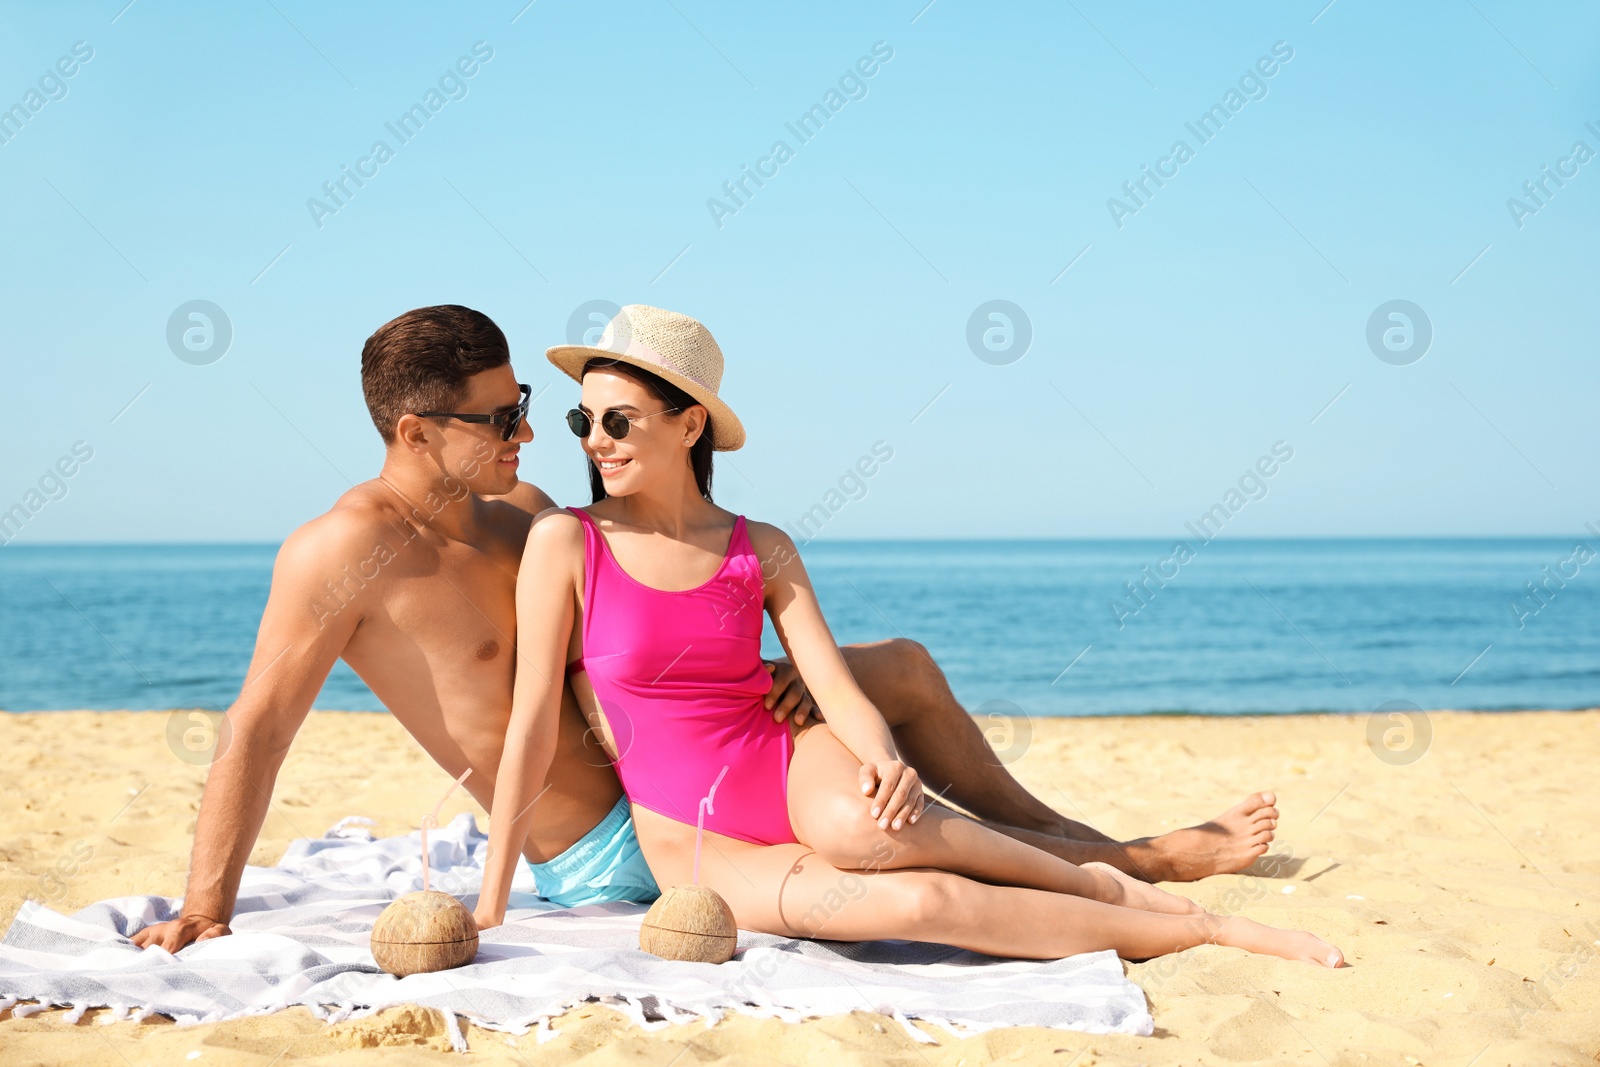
1271 941
1129 892
1229 843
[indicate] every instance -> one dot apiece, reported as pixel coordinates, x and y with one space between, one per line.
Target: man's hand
184 930
789 695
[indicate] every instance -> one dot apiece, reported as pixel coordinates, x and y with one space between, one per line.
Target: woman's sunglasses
509 421
613 422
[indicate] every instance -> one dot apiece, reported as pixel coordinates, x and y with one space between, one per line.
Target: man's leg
946 746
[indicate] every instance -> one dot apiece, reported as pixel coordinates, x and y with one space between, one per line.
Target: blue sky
1168 354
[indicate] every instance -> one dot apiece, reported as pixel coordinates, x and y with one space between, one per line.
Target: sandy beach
1464 887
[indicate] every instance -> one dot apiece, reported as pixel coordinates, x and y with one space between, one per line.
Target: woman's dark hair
676 399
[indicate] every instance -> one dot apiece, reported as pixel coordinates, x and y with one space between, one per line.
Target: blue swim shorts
605 865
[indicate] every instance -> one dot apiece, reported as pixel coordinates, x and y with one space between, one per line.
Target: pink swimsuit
680 679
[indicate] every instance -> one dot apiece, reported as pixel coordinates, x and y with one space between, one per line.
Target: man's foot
1129 892
1230 842
1285 944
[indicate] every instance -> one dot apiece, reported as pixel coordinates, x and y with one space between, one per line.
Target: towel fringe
916 1035
634 1007
452 1027
350 827
956 1028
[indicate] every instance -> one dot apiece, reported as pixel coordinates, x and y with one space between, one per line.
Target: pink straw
700 823
432 820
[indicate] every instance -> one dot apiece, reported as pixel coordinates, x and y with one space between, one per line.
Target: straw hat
672 346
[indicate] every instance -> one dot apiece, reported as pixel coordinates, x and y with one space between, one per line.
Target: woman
652 601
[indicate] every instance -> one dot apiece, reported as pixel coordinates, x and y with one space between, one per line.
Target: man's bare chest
455 605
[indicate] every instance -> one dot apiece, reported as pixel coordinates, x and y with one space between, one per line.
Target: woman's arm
895 788
547 588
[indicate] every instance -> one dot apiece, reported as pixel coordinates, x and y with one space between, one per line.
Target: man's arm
305 627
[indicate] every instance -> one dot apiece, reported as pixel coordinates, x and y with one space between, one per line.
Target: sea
1042 628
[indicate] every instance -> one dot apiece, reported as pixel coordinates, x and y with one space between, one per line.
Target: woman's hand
486 919
896 791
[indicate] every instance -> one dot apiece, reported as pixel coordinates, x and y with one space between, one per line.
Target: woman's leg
791 891
829 813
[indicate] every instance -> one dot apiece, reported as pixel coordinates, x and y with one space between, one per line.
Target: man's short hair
420 361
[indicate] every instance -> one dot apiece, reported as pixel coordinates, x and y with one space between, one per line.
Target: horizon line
1074 539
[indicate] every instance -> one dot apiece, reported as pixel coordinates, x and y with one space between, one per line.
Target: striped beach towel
301 938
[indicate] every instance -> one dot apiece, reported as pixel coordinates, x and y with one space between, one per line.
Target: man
410 578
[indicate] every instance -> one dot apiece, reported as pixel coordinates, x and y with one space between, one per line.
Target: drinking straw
700 823
431 821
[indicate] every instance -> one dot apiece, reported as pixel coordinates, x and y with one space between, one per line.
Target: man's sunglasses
613 422
509 421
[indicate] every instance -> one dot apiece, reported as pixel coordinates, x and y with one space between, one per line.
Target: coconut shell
690 923
423 932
